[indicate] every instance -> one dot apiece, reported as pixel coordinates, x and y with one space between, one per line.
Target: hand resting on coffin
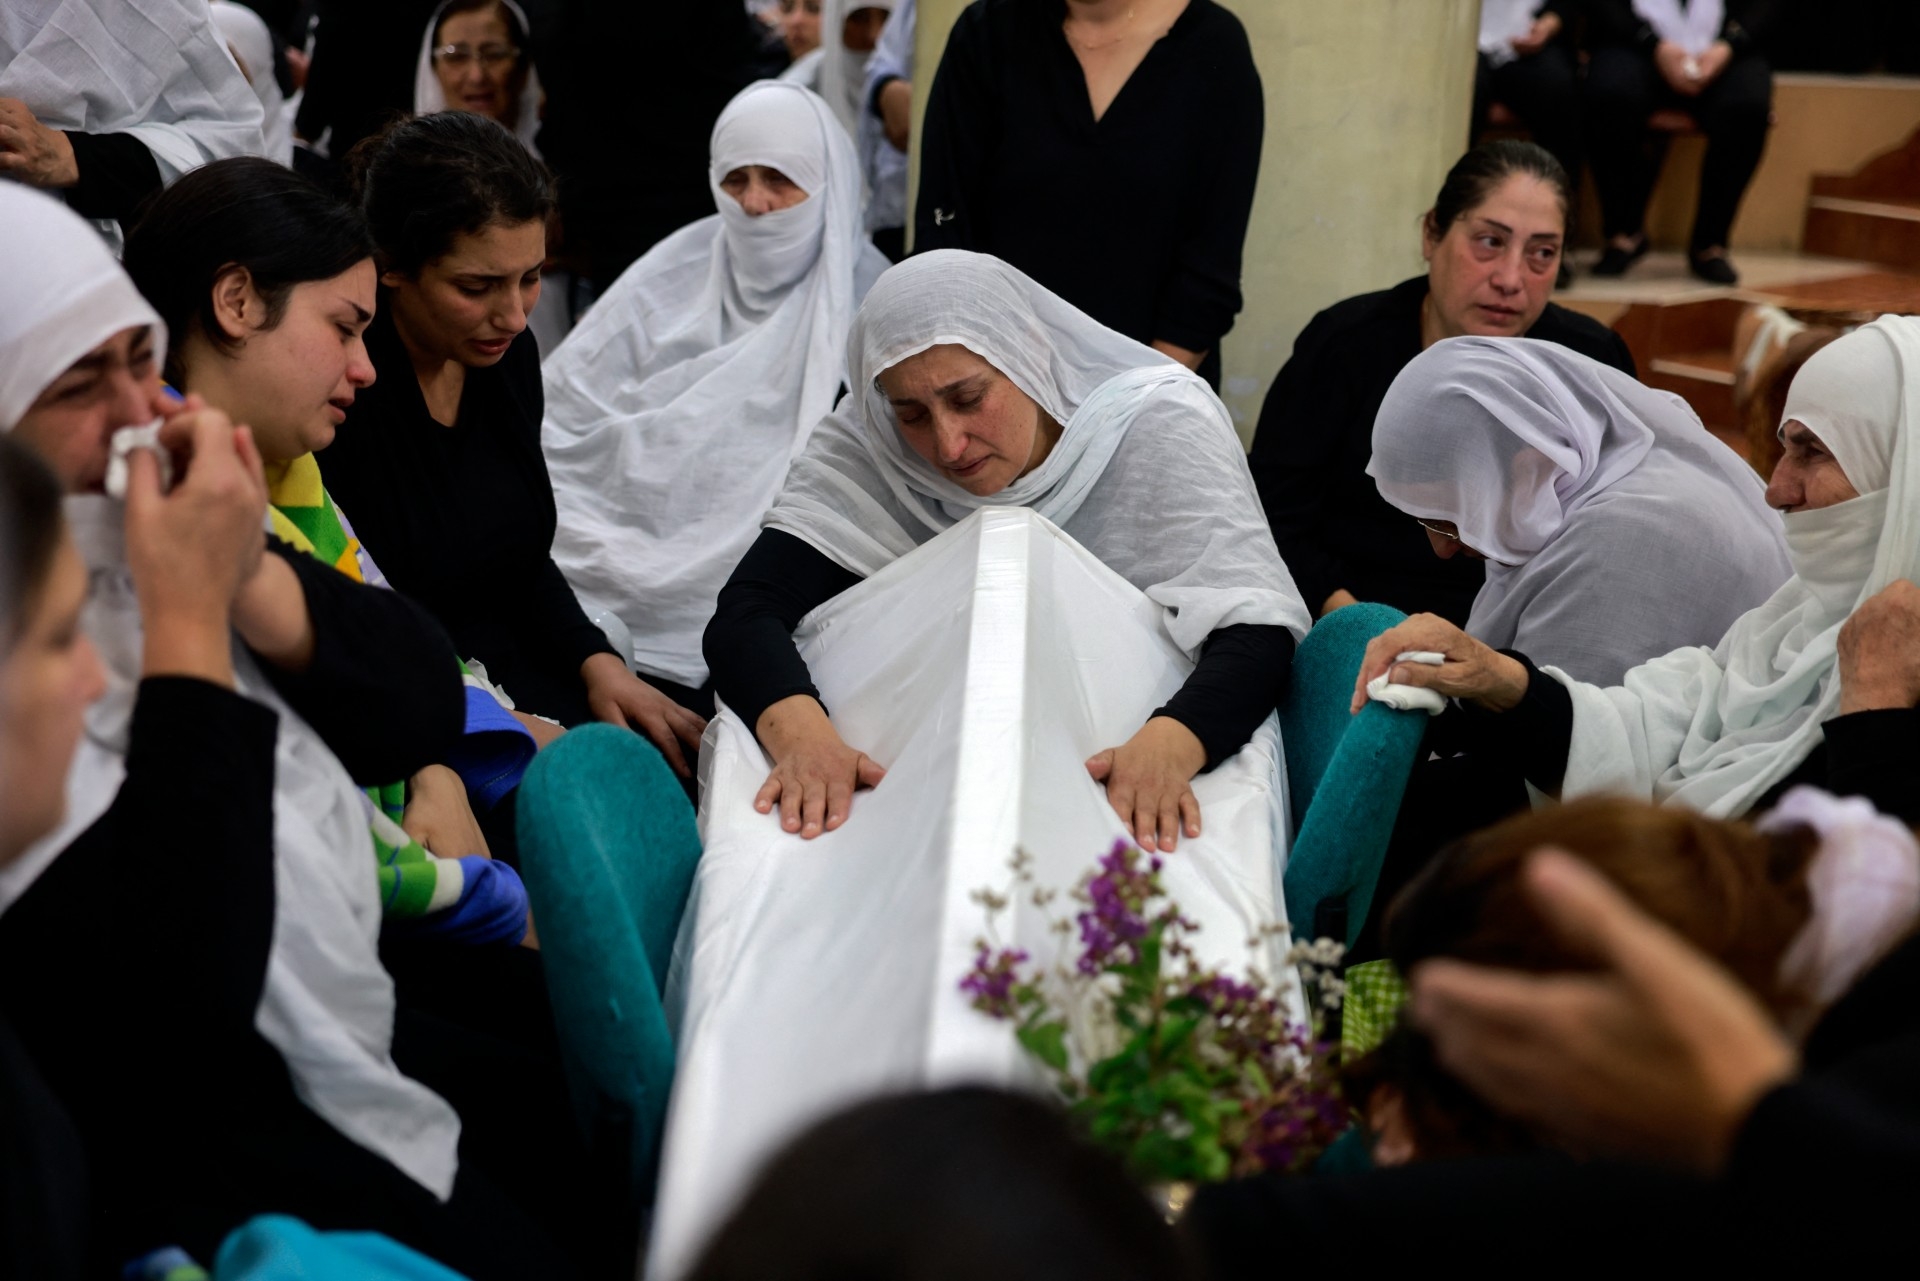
815 774
1149 782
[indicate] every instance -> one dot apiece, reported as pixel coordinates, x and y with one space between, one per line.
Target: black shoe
1614 260
1715 270
1565 277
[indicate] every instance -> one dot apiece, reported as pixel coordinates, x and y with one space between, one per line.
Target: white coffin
981 670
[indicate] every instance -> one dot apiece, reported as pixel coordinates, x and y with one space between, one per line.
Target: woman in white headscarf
251 44
849 30
1817 685
154 73
675 408
474 57
972 387
1614 527
295 1104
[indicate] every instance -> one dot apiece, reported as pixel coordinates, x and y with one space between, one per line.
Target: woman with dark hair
440 461
1493 242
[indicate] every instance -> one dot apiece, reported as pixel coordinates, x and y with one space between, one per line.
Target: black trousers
1544 91
1623 88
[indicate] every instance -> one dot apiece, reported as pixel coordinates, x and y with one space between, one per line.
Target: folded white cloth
1410 698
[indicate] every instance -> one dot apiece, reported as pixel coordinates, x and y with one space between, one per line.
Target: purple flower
991 980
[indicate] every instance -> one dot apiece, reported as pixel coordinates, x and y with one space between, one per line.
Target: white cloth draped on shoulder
1616 527
1501 23
843 71
327 1005
675 408
251 44
1147 475
1716 729
429 96
156 69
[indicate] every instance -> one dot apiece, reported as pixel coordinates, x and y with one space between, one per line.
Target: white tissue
1410 698
124 442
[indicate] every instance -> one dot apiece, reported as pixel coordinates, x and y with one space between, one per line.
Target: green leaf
1046 1042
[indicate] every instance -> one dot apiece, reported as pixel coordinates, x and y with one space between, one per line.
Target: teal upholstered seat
1345 773
276 1248
608 847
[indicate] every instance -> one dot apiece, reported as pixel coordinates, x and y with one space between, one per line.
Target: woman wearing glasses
1613 527
474 57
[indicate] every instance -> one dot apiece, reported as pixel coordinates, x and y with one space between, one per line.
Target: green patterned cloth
1375 993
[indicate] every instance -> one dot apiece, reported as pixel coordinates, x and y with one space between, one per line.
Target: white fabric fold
429 97
156 69
1148 474
675 408
1692 24
1616 527
1714 729
843 71
328 1005
1409 698
251 44
1501 23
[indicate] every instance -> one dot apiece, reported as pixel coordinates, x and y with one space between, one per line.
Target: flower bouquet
1188 1073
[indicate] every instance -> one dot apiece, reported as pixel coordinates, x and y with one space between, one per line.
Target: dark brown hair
30 526
1475 175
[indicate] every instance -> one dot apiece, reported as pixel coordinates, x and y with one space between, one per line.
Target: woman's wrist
198 645
1175 737
791 720
1507 687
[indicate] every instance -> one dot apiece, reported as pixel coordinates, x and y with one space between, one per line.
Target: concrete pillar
1367 105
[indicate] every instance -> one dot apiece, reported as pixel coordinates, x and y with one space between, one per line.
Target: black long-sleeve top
133 966
117 173
1747 24
1315 437
749 647
1872 754
1137 218
461 518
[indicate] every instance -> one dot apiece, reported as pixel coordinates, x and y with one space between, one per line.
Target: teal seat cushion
1346 773
608 847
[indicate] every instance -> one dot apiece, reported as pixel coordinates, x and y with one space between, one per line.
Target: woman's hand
30 152
543 731
1656 1054
1879 651
439 816
1472 671
618 697
1149 782
1672 61
1340 599
1711 63
815 774
1539 35
191 550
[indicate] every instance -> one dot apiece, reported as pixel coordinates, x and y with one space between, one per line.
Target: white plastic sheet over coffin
981 670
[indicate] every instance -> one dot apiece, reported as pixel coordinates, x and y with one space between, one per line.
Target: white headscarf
843 72
1147 475
1501 23
1580 484
1715 729
675 407
251 44
429 97
156 69
328 1005
1692 24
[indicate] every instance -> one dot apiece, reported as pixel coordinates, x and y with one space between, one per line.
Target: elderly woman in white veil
674 409
474 57
1817 685
1614 526
972 386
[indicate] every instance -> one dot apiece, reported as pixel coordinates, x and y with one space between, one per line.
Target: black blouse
1240 678
461 518
1315 436
1137 218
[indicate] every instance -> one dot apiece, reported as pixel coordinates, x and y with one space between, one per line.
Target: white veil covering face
429 97
1715 729
156 69
675 407
1616 527
328 1005
1147 475
843 72
251 44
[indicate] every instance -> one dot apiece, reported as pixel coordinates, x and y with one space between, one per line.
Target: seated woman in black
439 460
976 388
1492 242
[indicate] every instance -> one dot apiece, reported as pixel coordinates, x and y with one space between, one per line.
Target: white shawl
1715 729
1692 24
1617 528
675 407
328 1005
1501 23
251 44
1147 475
843 71
429 97
157 69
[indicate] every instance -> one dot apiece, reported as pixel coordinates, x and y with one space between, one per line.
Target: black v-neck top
461 518
1137 219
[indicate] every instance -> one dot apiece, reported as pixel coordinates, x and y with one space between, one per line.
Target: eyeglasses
460 56
1451 535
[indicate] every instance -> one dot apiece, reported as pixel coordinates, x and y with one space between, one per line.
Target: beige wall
1367 104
